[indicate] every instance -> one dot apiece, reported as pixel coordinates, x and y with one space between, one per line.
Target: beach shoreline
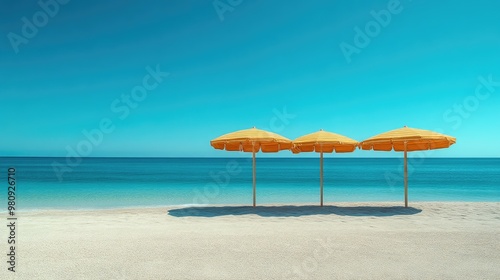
362 203
445 240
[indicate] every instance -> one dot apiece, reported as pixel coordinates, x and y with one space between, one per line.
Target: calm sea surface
134 182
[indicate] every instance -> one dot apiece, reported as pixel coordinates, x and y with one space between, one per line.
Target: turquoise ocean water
135 182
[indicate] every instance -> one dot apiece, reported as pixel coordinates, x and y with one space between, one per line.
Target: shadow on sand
293 211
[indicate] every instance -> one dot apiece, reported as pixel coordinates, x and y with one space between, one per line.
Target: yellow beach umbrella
324 142
252 140
405 140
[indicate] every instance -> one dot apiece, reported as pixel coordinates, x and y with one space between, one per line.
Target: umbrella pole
321 176
406 177
253 163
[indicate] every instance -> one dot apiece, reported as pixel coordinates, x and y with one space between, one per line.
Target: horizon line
165 157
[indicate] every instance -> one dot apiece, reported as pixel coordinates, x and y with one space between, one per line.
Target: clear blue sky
233 69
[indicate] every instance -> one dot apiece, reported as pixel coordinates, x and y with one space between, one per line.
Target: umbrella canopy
324 142
252 140
405 140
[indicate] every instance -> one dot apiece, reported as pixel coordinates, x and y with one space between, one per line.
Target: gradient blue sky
236 73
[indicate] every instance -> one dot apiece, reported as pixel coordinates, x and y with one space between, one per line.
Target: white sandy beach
345 241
